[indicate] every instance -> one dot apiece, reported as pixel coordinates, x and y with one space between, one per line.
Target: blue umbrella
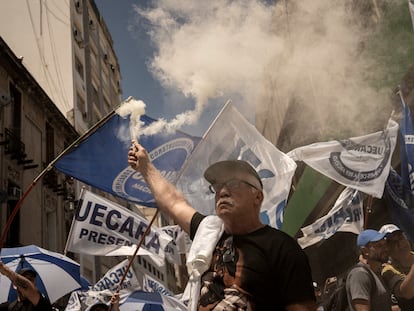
57 274
145 301
84 283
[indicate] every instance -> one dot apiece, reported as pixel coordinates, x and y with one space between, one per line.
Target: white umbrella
57 274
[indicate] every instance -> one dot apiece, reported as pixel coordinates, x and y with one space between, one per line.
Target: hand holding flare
137 156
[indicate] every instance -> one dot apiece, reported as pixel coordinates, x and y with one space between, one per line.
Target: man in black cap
28 296
253 266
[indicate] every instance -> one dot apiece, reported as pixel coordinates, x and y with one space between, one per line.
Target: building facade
66 50
33 132
67 47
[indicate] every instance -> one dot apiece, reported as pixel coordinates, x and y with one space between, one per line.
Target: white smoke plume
264 53
135 109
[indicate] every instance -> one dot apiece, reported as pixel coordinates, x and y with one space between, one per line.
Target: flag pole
186 163
368 211
147 230
48 168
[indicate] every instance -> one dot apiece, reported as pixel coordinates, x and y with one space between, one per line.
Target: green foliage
390 48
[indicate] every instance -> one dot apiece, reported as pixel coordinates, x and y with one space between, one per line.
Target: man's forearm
407 285
169 199
165 194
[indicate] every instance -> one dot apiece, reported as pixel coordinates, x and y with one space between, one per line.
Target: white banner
179 245
103 290
233 137
362 163
74 303
113 277
152 285
346 215
104 228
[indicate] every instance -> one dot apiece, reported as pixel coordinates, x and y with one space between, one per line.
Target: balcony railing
15 148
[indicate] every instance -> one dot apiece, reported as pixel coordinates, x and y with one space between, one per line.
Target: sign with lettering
104 228
362 162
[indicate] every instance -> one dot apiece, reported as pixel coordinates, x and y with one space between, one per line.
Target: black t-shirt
43 305
266 268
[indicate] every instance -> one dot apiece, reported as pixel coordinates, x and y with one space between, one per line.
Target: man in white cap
251 266
399 275
365 289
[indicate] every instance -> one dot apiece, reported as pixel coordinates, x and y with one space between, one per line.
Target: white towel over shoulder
199 257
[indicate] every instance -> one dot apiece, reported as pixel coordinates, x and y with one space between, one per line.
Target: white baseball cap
389 228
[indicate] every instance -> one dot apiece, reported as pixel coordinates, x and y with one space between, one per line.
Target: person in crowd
399 273
251 266
114 303
28 296
318 295
365 289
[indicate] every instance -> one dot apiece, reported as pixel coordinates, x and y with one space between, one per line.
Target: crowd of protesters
238 263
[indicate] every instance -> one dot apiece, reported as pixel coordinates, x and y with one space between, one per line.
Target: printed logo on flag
130 183
353 151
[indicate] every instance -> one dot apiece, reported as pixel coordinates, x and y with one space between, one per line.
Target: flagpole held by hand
133 256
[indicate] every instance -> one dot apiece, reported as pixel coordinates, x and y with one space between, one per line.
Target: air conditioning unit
5 99
15 192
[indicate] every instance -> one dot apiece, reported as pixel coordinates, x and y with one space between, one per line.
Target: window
50 143
79 67
13 236
16 110
80 103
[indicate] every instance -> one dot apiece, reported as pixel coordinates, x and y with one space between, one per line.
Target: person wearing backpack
364 284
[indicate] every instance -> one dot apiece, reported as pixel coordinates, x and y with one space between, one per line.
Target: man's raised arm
167 196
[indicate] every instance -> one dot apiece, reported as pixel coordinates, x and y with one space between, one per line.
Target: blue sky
133 53
134 50
208 81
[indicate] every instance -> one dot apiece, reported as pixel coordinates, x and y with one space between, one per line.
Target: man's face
235 195
377 251
398 243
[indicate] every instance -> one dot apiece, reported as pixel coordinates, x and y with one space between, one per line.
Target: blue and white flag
361 163
401 215
103 290
346 216
407 152
179 245
101 160
150 284
104 228
112 279
232 137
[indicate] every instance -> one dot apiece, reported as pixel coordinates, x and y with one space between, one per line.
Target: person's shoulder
195 222
279 234
43 304
360 271
280 239
4 306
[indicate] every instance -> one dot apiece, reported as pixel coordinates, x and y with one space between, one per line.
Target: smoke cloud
267 56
